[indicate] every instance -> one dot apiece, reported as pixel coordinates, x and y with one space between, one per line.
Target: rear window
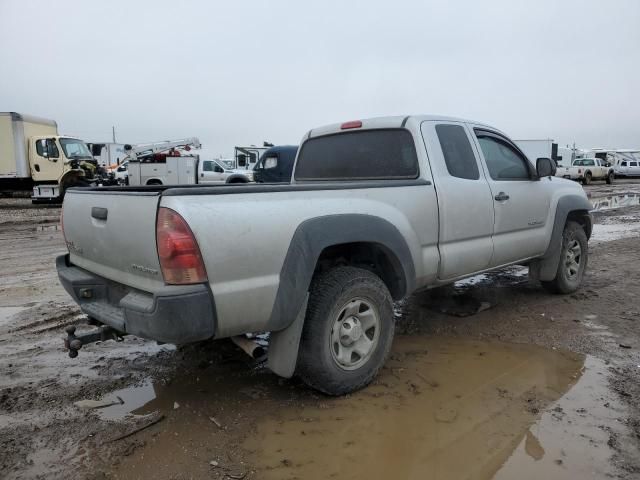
362 155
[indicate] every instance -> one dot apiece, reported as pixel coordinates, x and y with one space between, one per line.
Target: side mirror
545 167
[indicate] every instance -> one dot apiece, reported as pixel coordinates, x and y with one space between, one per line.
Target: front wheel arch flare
570 207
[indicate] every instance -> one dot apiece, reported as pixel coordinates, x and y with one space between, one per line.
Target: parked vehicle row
375 210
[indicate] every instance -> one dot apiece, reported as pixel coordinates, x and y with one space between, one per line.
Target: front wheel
348 330
573 260
610 178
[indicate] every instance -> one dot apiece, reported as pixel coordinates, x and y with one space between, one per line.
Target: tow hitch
74 342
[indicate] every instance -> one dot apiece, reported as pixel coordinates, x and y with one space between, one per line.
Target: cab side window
270 162
43 151
207 166
503 161
458 155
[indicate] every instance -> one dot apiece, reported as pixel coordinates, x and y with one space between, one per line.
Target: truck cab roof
397 121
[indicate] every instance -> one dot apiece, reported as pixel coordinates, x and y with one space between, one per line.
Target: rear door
521 202
465 204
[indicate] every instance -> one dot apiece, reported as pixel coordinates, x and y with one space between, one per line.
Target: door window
47 149
503 161
207 166
458 155
623 164
633 164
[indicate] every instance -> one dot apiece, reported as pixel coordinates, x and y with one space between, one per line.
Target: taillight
352 124
178 251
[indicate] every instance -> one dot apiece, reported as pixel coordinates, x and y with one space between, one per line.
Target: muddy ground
490 378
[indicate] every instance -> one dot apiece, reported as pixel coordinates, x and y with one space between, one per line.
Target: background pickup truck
375 210
587 169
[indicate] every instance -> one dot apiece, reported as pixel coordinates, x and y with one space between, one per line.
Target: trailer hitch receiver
73 343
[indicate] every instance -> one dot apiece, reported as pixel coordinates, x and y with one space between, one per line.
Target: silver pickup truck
376 210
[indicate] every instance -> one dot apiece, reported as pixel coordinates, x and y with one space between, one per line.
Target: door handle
99 213
501 197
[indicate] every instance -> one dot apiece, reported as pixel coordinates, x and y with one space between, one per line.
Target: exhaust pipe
250 347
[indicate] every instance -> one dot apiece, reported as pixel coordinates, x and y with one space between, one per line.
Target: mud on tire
573 260
345 304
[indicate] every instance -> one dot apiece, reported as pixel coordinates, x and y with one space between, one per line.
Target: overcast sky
240 72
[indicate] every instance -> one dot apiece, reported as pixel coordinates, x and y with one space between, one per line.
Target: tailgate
113 234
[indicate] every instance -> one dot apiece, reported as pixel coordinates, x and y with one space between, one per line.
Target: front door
465 203
45 159
211 172
521 202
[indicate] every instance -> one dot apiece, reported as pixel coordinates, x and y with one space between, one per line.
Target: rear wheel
610 178
573 260
347 332
587 178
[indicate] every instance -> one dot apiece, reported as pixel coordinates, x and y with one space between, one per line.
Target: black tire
154 182
564 282
610 178
331 294
587 178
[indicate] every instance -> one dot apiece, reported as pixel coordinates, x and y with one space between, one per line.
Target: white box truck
34 157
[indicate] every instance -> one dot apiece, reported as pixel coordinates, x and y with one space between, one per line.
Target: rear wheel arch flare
316 235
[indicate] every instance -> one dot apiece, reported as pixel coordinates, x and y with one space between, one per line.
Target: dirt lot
490 378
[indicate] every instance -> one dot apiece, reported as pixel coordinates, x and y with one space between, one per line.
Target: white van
628 168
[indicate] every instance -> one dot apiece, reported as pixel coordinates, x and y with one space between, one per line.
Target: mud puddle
440 408
454 409
615 201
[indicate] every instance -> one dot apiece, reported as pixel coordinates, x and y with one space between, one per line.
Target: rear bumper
174 314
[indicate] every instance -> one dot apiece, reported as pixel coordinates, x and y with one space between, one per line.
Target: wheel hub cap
355 333
573 258
350 331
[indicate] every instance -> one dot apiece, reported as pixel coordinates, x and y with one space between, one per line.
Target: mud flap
284 344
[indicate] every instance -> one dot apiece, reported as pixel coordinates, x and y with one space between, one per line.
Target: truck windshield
75 149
